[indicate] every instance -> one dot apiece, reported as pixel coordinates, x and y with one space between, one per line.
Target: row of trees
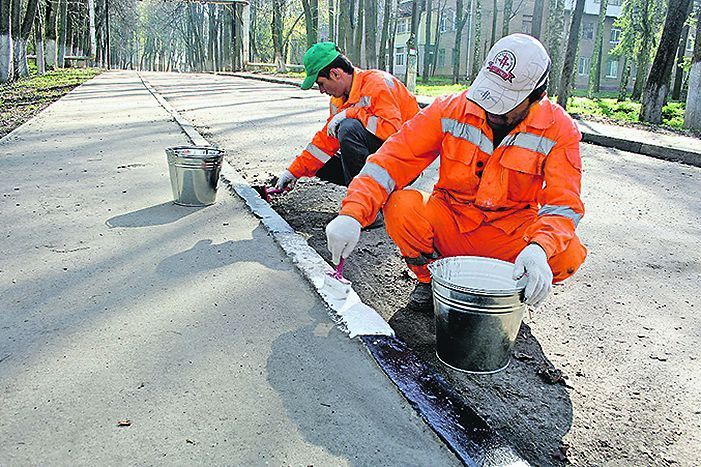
217 35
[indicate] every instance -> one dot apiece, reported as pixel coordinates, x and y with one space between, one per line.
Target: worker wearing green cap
367 107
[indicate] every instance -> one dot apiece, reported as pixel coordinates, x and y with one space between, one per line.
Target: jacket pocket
457 171
525 174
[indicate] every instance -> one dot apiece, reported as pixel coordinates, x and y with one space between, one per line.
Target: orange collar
354 94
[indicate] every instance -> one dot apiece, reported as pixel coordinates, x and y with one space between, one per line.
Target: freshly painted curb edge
464 432
651 150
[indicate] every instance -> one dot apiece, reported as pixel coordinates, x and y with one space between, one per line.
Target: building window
615 36
526 24
447 22
588 31
440 60
690 44
583 68
612 69
403 25
399 56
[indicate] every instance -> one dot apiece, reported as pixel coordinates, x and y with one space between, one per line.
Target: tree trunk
277 35
371 33
623 85
647 40
387 13
332 20
595 69
571 54
428 48
20 46
16 19
311 20
39 43
657 85
692 115
61 46
506 20
678 69
50 40
344 26
477 56
359 31
460 20
392 36
537 21
6 64
412 53
495 11
554 32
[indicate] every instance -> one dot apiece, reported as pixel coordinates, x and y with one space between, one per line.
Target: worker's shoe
421 299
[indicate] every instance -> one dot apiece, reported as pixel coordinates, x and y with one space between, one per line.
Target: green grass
22 99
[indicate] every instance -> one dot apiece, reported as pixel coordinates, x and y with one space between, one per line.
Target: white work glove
286 180
533 263
332 127
342 235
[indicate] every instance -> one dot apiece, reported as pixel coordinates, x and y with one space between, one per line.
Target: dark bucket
478 309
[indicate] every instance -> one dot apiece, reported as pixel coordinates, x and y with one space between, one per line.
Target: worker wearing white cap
509 182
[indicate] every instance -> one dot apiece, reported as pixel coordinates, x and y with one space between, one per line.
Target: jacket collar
354 94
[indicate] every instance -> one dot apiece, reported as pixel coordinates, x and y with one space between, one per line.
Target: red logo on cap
503 63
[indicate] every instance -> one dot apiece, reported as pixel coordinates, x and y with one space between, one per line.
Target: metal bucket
194 173
478 309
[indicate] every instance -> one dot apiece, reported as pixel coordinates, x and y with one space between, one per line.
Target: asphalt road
625 330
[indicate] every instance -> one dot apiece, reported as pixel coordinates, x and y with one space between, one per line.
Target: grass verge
22 99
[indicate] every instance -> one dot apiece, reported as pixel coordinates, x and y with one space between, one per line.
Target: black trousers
357 144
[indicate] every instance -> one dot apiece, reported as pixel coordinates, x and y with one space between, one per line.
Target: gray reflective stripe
334 109
564 211
389 79
372 124
380 175
318 153
530 141
364 101
468 133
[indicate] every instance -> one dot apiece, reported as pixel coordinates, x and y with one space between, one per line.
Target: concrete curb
463 431
637 147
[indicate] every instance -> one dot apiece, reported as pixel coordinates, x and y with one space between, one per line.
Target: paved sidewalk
190 323
665 146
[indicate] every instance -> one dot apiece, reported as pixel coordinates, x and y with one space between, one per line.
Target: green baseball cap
315 59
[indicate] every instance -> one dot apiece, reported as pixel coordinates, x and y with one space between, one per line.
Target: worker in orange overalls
509 183
367 106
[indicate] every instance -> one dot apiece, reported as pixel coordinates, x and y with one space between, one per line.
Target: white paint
50 56
476 273
41 64
692 115
351 315
6 66
20 58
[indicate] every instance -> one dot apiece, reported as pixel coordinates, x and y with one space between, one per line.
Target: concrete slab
187 322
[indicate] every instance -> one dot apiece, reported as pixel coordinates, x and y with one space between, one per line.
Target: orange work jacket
531 179
377 99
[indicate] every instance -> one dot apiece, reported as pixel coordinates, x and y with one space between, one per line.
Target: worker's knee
349 128
402 206
568 262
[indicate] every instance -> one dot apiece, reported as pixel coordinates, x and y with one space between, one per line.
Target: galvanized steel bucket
478 309
194 173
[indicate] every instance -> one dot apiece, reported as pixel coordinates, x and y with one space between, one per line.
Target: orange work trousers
421 224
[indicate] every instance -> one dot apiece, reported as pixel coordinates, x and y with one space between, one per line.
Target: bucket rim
520 285
212 151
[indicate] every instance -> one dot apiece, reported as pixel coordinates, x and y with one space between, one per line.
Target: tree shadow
160 214
527 403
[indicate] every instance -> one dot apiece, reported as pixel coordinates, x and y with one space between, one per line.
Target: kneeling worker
367 106
509 182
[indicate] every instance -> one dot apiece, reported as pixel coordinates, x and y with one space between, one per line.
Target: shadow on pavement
160 214
507 396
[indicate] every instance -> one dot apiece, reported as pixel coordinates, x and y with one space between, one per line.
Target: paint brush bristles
335 284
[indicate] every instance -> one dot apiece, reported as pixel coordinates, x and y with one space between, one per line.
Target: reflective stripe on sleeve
334 109
380 175
467 132
564 211
364 101
389 79
318 153
372 125
530 141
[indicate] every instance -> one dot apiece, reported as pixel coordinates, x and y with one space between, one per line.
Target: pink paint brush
335 284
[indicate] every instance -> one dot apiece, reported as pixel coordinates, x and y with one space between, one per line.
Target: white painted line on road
350 314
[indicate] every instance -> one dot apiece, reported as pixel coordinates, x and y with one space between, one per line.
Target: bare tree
495 11
358 33
6 64
61 47
537 21
332 20
412 53
428 48
570 55
20 54
554 32
39 43
344 40
679 66
311 20
386 16
595 69
692 115
657 85
506 20
461 17
278 19
477 56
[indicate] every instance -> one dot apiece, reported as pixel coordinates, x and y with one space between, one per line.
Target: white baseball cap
515 66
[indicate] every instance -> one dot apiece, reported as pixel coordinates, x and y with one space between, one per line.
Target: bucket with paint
478 309
194 173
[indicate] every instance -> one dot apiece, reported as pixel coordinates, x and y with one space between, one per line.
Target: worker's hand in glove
533 263
286 181
332 127
342 235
